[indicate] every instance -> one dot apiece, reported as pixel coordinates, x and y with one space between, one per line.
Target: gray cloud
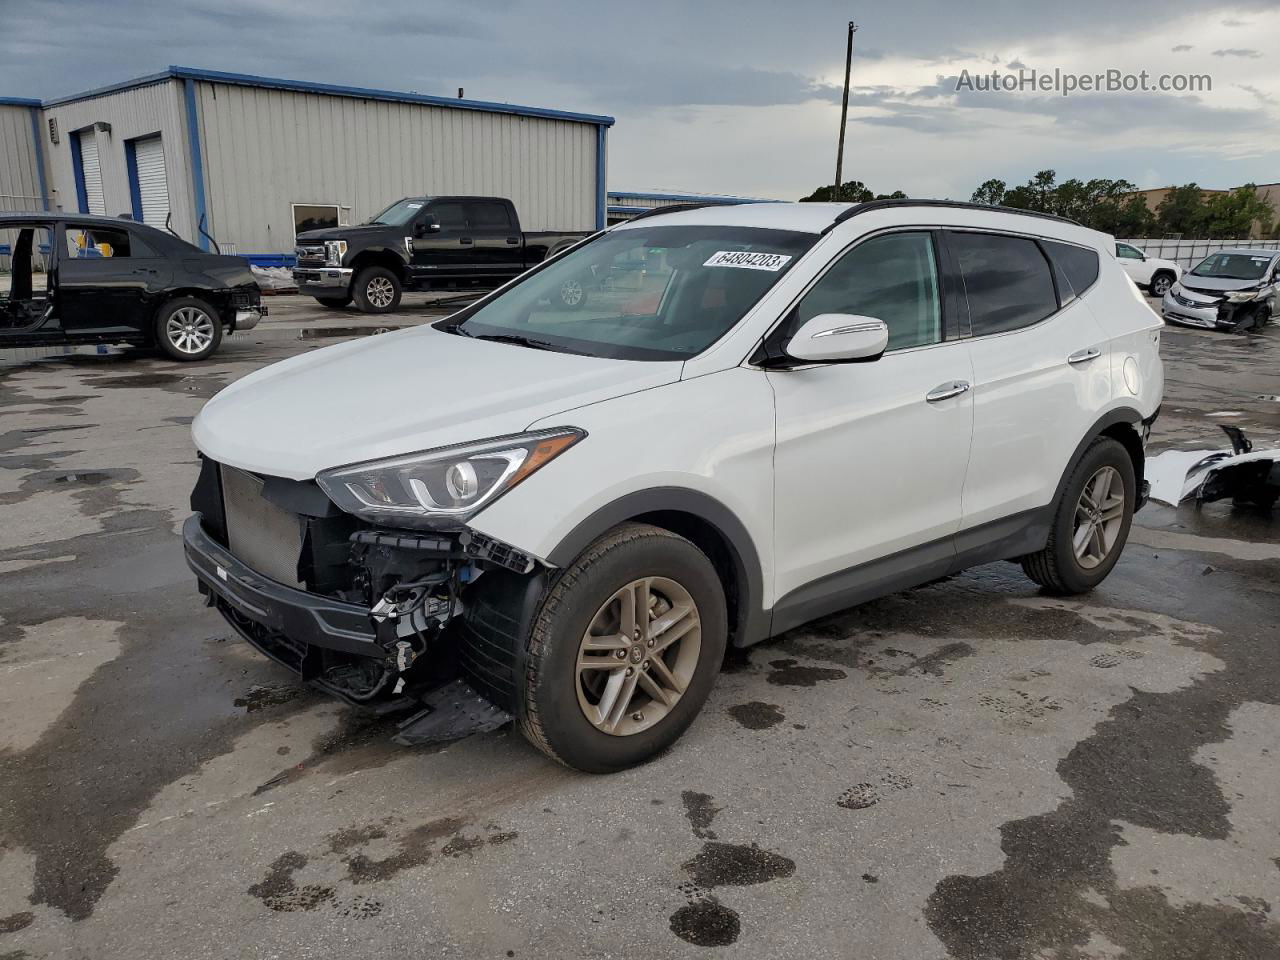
1235 23
1238 52
1015 65
1260 94
1183 48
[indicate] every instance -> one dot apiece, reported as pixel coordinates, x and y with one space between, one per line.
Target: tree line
1111 206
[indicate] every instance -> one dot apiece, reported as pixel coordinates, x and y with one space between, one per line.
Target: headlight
334 251
1242 296
445 487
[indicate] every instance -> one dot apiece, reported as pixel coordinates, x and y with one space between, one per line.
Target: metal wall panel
265 149
135 113
19 176
91 173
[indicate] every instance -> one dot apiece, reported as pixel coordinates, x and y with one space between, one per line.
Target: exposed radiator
261 535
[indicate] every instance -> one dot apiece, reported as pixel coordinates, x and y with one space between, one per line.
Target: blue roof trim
197 163
147 81
301 86
690 197
18 102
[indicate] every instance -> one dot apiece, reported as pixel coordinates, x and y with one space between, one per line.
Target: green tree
990 193
851 191
1235 214
1182 211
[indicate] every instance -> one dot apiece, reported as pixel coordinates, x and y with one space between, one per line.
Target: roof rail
676 208
871 205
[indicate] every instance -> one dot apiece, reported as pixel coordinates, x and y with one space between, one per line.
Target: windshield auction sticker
773 262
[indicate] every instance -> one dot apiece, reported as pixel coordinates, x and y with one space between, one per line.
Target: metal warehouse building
251 160
623 205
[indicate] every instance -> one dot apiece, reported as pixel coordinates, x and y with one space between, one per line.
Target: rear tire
188 329
1087 533
377 290
334 303
565 695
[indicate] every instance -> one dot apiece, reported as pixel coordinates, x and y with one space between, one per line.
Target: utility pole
844 107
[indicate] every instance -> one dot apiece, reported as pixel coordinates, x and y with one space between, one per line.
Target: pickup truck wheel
1090 522
1161 283
377 290
334 303
188 329
624 651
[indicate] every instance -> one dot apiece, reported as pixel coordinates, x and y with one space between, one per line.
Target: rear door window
1006 280
99 243
488 215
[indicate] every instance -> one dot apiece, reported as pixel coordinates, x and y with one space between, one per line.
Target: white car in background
1151 273
793 408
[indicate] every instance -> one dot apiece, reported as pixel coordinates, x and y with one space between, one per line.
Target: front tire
1090 522
601 701
1160 284
188 329
377 290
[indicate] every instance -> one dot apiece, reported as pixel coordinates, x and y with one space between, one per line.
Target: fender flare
1127 415
752 619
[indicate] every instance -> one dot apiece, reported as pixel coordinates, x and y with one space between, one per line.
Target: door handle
945 391
144 270
465 241
1084 356
513 240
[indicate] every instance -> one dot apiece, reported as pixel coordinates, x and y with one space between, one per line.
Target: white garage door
153 186
92 173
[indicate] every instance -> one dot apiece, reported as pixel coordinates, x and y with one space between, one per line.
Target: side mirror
426 225
839 338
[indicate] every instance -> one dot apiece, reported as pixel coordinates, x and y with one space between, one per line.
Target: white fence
1187 253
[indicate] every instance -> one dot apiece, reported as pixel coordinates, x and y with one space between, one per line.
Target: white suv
758 415
1151 273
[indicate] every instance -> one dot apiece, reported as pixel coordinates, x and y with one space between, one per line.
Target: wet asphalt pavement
966 770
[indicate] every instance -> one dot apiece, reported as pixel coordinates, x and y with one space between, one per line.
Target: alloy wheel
638 656
380 292
1160 286
1099 517
190 330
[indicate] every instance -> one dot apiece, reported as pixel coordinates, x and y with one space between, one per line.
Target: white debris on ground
274 278
1167 474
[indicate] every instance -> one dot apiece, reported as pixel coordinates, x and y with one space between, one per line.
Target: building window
319 216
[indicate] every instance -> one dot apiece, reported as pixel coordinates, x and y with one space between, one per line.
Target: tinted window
892 278
98 242
1078 266
1233 266
1126 252
489 216
307 216
1006 280
449 216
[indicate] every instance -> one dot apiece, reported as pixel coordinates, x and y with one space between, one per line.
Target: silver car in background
1236 289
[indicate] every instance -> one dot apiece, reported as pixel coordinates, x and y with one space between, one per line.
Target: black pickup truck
421 243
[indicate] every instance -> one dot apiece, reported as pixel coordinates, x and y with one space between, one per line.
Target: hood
348 233
1165 263
402 392
1216 284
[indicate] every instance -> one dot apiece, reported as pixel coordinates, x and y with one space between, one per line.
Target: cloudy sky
743 97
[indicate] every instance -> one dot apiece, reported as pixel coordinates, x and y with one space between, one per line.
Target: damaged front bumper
306 619
1217 313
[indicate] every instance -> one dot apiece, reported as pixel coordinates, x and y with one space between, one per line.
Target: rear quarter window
1077 265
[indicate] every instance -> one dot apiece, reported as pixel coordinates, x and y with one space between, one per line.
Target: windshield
661 293
1232 266
399 213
